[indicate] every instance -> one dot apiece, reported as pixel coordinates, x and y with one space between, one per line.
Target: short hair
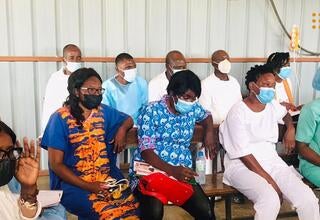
255 72
169 55
7 130
278 60
67 47
123 56
182 81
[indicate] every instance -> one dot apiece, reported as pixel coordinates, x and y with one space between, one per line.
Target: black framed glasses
13 153
93 91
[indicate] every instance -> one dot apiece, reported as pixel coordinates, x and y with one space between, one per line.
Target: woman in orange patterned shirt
83 139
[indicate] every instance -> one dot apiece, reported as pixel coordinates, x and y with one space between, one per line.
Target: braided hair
75 82
278 60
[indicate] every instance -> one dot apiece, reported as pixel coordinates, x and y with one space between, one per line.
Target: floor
239 212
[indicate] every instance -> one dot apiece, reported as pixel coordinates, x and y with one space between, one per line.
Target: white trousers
265 198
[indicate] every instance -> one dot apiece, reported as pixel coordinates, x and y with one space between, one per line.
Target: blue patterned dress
168 134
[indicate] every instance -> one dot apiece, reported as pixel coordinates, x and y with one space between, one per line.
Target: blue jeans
52 213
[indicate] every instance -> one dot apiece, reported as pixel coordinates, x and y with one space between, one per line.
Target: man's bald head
174 55
70 47
219 56
175 61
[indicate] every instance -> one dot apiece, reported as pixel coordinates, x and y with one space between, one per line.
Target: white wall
144 28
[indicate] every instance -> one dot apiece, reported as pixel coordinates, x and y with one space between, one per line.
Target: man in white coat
220 91
56 90
157 87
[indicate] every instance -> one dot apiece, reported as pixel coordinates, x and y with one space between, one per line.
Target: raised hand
28 165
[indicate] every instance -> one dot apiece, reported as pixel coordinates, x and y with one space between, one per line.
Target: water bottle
201 168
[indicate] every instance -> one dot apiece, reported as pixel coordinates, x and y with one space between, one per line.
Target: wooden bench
214 185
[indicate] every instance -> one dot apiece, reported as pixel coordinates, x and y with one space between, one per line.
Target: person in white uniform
157 86
56 89
252 164
217 83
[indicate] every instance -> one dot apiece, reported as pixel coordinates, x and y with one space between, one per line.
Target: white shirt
219 96
9 208
158 87
281 95
245 132
55 95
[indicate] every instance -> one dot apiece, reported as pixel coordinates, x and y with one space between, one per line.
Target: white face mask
176 70
130 74
224 66
73 66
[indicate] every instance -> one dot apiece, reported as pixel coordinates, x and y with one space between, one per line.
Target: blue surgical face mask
183 106
285 72
265 95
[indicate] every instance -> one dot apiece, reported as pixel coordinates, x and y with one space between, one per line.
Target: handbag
165 188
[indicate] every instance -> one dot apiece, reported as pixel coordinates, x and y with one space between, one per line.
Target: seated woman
165 129
25 167
252 164
280 62
82 139
308 138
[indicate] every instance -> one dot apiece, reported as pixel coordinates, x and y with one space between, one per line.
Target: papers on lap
49 198
143 168
293 113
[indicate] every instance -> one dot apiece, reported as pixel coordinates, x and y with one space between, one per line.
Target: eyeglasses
93 91
14 153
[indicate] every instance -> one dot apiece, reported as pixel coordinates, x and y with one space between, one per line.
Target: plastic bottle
201 168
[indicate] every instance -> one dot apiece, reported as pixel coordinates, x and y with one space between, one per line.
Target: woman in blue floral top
165 130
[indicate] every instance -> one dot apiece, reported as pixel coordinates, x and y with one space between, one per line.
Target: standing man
126 91
175 62
56 90
220 91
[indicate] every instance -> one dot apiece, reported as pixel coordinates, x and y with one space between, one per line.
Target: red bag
165 188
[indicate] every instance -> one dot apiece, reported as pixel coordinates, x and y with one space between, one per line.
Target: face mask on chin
7 170
91 101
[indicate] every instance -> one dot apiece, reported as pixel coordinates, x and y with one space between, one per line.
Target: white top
219 96
246 132
9 208
281 95
158 87
55 95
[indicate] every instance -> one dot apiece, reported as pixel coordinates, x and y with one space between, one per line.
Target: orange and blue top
88 153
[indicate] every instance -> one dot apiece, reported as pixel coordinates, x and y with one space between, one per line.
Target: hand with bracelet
27 171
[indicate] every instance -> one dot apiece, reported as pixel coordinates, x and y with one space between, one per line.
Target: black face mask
91 101
7 169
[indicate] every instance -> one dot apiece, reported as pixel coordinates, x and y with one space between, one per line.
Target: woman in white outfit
252 164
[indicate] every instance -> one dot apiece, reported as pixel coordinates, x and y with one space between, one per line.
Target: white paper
142 168
49 198
293 113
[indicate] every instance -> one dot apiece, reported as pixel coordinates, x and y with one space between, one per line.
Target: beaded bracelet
27 204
